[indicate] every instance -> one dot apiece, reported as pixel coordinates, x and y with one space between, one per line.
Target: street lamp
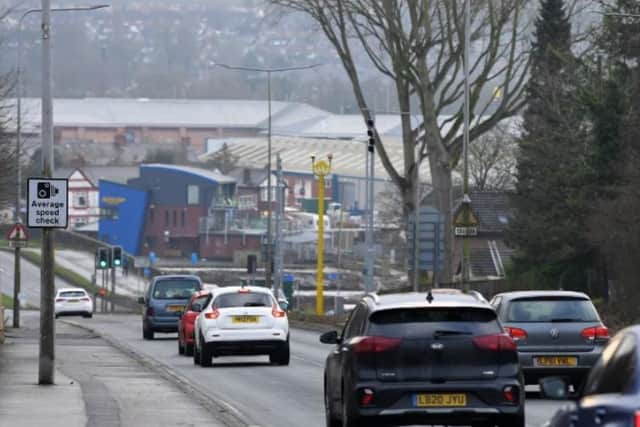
269 71
320 169
16 276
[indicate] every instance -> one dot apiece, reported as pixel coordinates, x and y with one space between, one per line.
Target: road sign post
47 208
17 237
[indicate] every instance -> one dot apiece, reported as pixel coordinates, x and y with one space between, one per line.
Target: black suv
423 359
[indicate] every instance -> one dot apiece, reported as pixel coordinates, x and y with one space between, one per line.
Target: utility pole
321 169
46 365
370 257
277 285
467 113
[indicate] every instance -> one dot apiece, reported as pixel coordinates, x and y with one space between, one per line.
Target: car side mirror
284 305
141 300
555 388
330 337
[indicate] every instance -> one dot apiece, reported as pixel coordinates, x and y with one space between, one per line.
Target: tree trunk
443 187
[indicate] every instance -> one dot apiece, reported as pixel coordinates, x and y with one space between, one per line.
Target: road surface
266 395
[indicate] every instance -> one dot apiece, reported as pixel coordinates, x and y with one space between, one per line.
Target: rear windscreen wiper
561 319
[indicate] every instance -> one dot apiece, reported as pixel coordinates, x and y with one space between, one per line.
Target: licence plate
556 361
440 400
175 308
73 300
245 319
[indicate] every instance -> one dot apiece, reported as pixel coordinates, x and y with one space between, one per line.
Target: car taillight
85 299
366 399
374 344
516 333
596 333
149 311
637 424
212 315
511 394
277 312
498 342
244 291
60 300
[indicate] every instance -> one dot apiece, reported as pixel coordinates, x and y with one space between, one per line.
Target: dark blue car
611 394
164 302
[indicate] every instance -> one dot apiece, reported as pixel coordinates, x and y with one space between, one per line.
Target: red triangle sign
18 232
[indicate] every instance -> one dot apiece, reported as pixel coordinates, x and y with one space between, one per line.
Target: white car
241 321
73 301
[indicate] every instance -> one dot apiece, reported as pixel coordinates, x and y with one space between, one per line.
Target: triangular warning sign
17 232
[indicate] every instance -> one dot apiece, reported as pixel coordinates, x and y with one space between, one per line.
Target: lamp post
466 200
321 169
17 273
269 71
46 361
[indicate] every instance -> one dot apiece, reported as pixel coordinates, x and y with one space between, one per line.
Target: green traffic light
103 264
116 262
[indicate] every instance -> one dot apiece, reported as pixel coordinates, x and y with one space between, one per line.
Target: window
199 303
175 289
354 327
72 294
551 309
151 215
246 299
81 199
166 218
175 218
183 218
193 195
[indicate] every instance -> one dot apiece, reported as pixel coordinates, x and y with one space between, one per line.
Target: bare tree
492 160
7 146
418 44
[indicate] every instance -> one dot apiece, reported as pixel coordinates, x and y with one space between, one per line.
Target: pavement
96 385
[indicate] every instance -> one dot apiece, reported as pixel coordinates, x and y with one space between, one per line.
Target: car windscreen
430 322
551 309
72 294
244 299
175 289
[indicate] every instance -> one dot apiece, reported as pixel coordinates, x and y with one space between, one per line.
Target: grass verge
6 301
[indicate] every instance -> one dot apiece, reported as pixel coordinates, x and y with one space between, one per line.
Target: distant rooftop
218 178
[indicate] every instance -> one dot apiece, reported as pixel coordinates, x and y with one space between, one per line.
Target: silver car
558 333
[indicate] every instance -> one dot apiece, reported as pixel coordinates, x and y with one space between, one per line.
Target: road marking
309 361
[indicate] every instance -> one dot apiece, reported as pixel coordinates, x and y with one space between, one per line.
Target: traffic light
371 135
116 256
102 261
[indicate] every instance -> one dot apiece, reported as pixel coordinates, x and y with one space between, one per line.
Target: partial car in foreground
557 332
611 395
241 320
73 302
164 302
438 359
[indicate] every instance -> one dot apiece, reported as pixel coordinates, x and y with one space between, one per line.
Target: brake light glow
637 424
374 344
595 333
244 291
367 397
213 314
277 312
516 334
498 342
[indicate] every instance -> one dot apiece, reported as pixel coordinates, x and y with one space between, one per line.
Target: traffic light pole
113 288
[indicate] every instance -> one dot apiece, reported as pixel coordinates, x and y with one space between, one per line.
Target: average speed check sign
47 203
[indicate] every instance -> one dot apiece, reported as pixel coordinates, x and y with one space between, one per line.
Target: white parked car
241 321
73 301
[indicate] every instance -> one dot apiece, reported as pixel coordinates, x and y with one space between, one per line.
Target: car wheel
281 356
196 354
188 349
205 354
57 315
180 346
329 416
87 315
348 419
147 333
513 421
